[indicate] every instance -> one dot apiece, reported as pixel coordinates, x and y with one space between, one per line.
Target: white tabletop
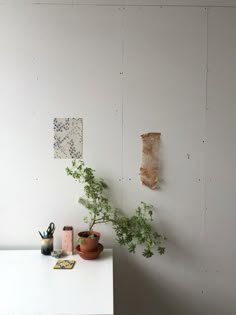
30 286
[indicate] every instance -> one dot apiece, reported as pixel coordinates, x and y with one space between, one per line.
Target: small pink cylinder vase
67 240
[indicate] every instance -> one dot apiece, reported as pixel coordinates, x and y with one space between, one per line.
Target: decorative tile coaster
68 138
64 264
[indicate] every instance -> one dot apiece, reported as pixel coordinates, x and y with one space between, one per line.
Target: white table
30 286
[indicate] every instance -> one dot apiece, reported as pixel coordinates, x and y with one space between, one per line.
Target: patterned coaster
64 264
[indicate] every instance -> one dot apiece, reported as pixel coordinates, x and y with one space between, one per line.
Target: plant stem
92 223
103 221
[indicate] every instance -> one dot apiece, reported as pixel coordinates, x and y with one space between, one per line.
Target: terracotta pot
88 244
89 255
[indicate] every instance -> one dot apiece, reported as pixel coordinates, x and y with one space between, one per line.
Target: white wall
127 70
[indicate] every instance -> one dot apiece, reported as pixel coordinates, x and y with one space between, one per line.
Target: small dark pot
47 246
88 244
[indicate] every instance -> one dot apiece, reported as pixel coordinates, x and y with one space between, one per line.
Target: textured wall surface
127 70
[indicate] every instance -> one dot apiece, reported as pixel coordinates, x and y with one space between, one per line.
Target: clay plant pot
89 255
89 244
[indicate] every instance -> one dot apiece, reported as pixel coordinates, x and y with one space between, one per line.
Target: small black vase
47 246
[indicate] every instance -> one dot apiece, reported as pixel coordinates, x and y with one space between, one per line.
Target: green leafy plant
137 230
130 231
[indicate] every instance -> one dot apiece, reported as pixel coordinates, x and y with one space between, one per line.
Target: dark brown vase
89 244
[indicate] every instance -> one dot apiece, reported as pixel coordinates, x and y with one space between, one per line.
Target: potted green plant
130 231
89 241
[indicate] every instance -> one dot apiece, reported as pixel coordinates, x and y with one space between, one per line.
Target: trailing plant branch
130 231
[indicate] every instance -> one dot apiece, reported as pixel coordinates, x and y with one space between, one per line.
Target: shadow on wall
162 285
136 293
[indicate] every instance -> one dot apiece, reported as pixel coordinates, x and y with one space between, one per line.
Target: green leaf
81 240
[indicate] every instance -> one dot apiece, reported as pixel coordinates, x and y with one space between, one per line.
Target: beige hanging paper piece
150 159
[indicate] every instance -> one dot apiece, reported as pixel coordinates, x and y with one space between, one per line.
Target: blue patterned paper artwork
68 138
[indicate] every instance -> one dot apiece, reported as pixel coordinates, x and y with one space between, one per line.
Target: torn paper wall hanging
150 159
68 138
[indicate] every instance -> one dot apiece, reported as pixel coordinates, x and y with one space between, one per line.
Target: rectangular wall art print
68 138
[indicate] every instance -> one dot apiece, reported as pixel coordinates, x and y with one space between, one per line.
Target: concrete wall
127 70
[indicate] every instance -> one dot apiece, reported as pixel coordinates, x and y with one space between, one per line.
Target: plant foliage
130 231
